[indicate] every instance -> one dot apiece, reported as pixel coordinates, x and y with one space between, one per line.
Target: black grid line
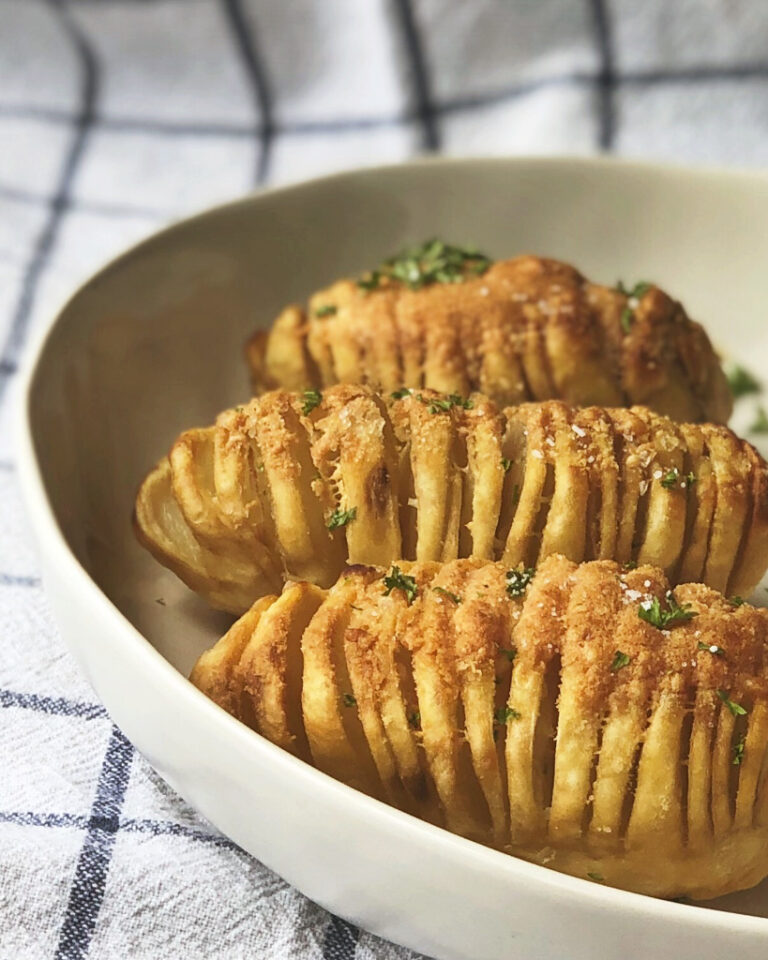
245 40
57 706
606 77
425 111
340 940
89 884
84 206
29 819
89 83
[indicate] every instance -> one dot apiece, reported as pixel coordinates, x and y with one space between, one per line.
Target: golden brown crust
556 724
293 486
527 329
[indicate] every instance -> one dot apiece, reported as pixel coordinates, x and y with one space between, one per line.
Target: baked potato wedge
295 485
582 716
529 328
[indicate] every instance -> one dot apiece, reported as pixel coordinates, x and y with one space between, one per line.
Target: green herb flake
711 648
760 423
327 310
414 720
670 478
639 290
594 875
651 611
447 593
626 319
742 382
633 295
505 714
620 660
736 601
509 653
738 752
340 518
630 565
736 708
349 700
312 399
518 580
431 262
444 404
397 580
505 464
399 394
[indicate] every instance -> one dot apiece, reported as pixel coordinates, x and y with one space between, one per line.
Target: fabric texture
117 116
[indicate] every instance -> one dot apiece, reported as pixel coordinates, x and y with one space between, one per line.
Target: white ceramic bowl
152 345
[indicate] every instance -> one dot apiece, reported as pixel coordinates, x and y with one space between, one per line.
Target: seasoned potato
293 486
585 717
516 330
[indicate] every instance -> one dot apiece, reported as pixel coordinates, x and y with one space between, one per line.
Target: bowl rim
84 591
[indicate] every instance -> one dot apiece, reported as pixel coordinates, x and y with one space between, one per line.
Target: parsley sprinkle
510 654
312 399
670 478
652 613
738 752
349 700
619 660
594 875
518 580
742 382
447 593
736 601
711 648
399 394
397 580
630 565
431 262
327 310
445 404
505 464
414 720
626 319
504 714
736 708
760 424
628 313
340 518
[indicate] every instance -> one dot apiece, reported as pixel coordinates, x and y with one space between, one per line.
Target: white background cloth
119 115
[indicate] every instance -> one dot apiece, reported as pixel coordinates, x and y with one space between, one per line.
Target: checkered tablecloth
119 115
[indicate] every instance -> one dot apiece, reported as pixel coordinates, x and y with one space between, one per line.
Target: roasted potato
516 330
585 717
293 486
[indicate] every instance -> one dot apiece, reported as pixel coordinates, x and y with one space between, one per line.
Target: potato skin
550 721
295 485
529 328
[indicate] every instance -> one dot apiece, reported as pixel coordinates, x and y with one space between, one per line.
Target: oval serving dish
153 343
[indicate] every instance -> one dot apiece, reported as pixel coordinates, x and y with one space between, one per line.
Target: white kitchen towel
119 115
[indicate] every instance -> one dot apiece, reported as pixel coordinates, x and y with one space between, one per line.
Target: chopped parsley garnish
518 580
504 714
414 720
340 518
738 752
509 653
431 262
594 875
760 424
349 700
447 593
630 565
444 404
711 648
652 613
327 310
736 601
506 464
671 477
619 660
399 394
397 580
628 313
742 382
736 708
312 399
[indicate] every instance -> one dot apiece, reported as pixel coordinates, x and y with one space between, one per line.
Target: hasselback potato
516 330
296 485
583 716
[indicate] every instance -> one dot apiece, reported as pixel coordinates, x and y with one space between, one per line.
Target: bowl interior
153 344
